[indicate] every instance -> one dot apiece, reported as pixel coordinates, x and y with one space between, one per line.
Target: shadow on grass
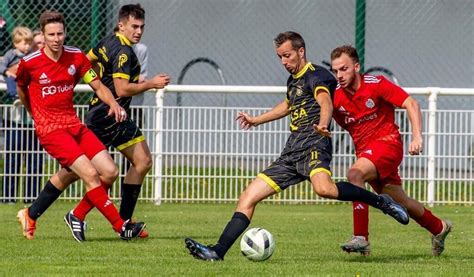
179 237
401 258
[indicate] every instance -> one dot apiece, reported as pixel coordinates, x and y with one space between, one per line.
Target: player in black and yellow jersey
307 154
119 70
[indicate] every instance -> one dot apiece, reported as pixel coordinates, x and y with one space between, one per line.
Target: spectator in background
38 40
20 138
22 40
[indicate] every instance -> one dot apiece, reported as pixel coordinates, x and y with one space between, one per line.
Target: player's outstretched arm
246 121
414 115
124 88
324 101
107 97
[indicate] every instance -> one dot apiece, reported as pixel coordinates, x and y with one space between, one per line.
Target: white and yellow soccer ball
257 244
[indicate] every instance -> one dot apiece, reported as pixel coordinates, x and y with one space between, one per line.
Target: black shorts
120 135
298 166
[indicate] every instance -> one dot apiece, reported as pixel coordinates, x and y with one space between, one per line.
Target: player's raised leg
344 191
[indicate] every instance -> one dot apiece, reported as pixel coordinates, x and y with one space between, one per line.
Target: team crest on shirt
299 90
370 103
71 70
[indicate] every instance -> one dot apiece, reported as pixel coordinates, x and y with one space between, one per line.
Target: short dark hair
51 16
296 39
134 10
345 49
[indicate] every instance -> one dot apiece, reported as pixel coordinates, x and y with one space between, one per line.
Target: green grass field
307 243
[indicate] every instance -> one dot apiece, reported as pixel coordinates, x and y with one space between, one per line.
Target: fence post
433 96
158 163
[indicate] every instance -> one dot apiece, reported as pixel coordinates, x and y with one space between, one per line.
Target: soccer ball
257 244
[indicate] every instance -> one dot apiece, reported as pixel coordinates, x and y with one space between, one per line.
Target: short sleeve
325 83
391 92
121 63
93 53
23 77
85 65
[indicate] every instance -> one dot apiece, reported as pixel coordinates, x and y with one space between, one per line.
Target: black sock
234 228
350 192
47 196
130 195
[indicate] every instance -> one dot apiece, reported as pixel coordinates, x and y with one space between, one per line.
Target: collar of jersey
123 39
303 71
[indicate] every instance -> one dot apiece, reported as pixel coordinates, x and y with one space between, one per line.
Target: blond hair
21 33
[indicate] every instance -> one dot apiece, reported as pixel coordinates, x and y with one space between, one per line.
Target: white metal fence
200 154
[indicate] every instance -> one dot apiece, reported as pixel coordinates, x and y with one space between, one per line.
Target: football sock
47 196
85 206
430 222
130 195
234 228
99 198
360 216
350 192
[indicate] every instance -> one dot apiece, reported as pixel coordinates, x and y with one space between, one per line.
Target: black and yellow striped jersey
301 95
115 58
305 110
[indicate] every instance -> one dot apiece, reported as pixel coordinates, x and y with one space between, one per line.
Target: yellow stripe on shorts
314 171
269 182
131 142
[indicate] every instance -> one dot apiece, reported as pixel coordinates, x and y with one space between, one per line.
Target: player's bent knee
245 204
325 188
247 201
110 175
355 176
144 164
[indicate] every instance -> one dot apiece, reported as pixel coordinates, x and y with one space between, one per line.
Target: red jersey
51 86
369 114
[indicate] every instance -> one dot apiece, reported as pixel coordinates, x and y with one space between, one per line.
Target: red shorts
386 156
66 145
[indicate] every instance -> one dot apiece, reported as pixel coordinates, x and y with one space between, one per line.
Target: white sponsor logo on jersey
51 90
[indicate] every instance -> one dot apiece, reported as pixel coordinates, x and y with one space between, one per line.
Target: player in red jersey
364 105
45 83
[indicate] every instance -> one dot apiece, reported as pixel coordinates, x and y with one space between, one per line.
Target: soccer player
364 105
45 83
120 71
307 153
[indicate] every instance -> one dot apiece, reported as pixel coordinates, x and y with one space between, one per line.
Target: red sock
85 206
98 196
360 216
430 222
